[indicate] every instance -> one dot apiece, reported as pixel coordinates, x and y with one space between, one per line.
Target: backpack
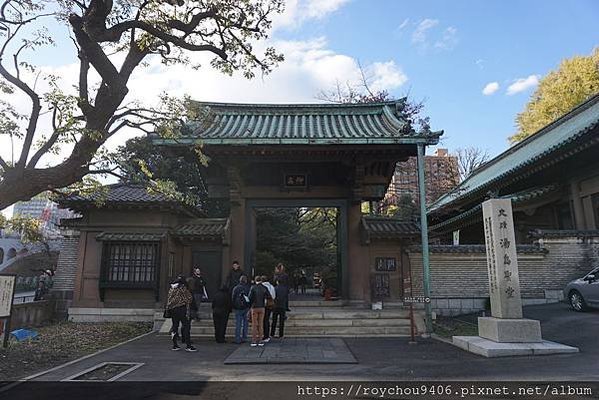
242 301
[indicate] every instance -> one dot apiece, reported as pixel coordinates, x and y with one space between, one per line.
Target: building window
130 264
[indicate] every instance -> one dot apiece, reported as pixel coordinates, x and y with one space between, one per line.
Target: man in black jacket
221 307
234 274
258 295
281 306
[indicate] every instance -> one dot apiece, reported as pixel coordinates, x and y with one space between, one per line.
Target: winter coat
282 299
221 304
258 295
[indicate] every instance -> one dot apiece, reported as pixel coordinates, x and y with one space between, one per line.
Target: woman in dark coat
221 307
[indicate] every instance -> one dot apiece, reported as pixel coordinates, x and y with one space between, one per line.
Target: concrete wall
66 271
459 279
32 314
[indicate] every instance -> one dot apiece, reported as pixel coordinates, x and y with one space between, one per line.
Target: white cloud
404 24
522 84
490 88
299 11
310 66
386 76
429 34
419 36
449 39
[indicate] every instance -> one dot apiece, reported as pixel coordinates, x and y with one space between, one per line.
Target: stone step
309 323
321 331
316 303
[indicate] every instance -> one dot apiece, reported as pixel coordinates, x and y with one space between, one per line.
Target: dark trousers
267 313
179 315
220 325
278 315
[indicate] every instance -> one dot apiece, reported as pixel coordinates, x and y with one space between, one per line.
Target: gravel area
448 327
60 343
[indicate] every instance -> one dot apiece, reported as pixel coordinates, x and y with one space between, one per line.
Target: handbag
167 313
204 296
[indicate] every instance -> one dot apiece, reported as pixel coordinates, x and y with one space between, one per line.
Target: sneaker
261 344
176 348
254 344
190 348
266 340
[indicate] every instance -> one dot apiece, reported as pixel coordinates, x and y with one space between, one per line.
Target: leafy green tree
575 80
181 176
296 237
112 38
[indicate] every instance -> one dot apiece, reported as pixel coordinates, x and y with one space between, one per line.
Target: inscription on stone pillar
502 262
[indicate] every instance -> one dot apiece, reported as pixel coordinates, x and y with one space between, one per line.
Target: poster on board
7 288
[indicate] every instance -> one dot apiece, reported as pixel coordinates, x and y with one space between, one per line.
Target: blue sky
493 41
446 53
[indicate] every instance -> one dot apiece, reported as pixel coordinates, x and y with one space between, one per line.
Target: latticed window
130 264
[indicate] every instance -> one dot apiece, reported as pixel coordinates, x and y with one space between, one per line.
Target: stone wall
32 314
66 271
459 279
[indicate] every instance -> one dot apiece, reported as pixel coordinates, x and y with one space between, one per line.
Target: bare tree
101 29
469 159
362 92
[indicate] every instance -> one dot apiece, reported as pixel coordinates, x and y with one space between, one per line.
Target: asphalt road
380 359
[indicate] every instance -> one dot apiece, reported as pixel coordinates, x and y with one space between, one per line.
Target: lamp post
426 278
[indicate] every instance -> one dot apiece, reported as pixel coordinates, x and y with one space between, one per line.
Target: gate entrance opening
306 241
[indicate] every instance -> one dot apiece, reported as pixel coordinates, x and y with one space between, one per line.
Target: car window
595 271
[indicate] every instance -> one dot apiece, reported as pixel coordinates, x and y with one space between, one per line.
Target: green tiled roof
206 227
517 198
124 196
246 124
130 236
388 228
543 143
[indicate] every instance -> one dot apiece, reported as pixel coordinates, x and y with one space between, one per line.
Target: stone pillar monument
505 333
506 323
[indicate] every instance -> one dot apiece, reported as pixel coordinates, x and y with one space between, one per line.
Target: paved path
378 358
295 351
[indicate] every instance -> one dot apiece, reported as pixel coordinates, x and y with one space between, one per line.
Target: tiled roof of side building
570 127
206 227
373 123
386 227
125 195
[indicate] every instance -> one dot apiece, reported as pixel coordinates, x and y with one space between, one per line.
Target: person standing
221 308
234 274
178 306
197 285
280 277
281 307
268 308
258 296
303 281
241 305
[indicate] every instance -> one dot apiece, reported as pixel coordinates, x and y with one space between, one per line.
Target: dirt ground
62 342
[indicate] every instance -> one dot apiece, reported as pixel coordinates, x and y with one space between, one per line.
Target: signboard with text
7 291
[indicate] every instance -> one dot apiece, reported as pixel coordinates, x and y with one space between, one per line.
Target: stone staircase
315 319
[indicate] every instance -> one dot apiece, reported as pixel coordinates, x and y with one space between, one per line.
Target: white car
583 293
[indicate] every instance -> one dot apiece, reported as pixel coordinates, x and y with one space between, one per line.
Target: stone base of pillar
489 348
507 330
62 302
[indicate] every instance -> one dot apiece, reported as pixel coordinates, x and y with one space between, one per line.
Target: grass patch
448 327
63 342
